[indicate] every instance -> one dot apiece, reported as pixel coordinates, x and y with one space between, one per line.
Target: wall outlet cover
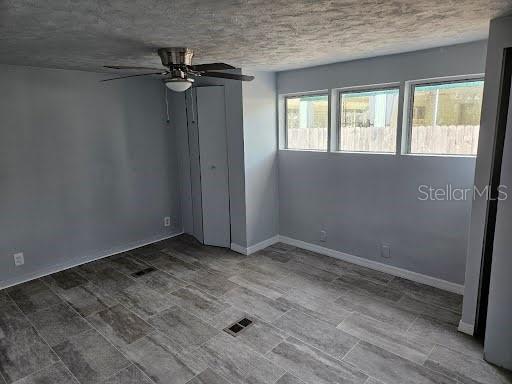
19 259
385 251
323 235
167 221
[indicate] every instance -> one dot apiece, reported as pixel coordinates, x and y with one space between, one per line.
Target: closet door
194 163
213 153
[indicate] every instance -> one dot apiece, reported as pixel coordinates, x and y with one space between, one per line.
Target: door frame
492 202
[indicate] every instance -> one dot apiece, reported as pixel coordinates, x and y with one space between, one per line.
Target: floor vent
236 328
143 272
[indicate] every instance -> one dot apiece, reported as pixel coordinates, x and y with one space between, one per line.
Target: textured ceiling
252 34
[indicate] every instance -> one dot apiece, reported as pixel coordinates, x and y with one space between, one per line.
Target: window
445 118
368 120
307 122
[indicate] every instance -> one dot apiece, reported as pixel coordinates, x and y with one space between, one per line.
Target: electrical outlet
19 259
167 221
323 236
385 251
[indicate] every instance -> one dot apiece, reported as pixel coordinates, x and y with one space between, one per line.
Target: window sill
365 153
439 155
303 150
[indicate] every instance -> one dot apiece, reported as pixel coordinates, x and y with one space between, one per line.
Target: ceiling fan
178 73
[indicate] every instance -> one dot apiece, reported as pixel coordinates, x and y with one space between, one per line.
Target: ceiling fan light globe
178 85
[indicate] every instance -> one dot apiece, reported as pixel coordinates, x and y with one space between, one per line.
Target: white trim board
468 329
256 247
82 260
392 270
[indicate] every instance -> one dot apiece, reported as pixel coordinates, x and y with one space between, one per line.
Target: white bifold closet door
213 166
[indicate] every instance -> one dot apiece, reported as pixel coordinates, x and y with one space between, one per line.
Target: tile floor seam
105 338
101 310
386 348
81 285
412 362
432 304
49 346
193 378
248 346
190 285
315 347
279 317
280 377
325 353
406 333
442 374
133 342
109 342
351 313
355 345
122 369
49 307
318 349
181 349
383 284
430 353
284 277
158 269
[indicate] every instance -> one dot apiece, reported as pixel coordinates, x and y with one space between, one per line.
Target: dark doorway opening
492 203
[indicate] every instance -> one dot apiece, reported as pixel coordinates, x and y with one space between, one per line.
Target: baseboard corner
468 329
386 268
238 249
256 247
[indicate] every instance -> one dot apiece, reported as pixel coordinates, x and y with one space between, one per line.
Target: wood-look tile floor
318 320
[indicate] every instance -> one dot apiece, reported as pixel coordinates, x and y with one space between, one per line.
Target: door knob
212 167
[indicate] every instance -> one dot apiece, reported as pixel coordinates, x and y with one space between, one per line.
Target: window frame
361 89
409 110
285 121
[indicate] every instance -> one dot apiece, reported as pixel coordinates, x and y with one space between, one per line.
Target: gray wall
86 168
365 200
498 338
260 145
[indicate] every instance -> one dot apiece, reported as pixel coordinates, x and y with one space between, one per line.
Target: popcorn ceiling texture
252 34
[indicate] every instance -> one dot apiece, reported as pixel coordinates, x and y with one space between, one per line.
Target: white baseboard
466 328
82 260
256 247
395 271
238 249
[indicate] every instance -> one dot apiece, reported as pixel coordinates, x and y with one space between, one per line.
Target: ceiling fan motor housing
175 56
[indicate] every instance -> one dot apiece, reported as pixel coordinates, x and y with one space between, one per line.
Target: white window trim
338 92
408 111
283 129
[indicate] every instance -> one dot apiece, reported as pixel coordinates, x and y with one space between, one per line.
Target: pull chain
192 105
167 105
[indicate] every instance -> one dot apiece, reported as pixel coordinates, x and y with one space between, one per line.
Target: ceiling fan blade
125 77
231 76
211 67
136 68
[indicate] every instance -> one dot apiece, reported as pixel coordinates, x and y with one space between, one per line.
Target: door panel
498 332
211 122
195 166
180 123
